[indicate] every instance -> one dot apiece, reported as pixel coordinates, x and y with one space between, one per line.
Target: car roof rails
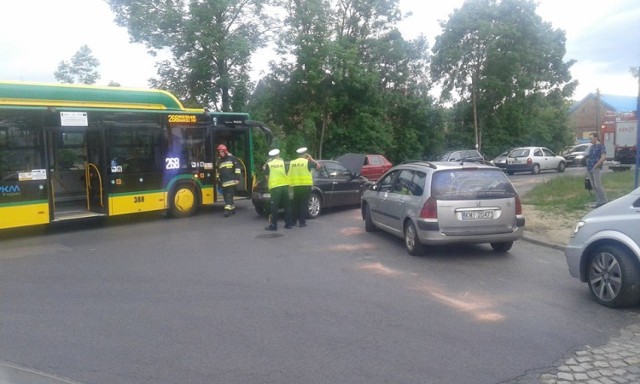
471 160
424 162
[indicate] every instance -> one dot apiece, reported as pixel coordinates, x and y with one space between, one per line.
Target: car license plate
477 215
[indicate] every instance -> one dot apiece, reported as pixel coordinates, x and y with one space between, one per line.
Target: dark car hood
353 161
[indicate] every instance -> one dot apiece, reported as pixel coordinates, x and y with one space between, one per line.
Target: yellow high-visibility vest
299 173
277 174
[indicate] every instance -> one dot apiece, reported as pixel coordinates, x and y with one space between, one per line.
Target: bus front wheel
184 201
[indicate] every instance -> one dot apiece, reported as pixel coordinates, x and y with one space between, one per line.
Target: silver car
500 161
578 154
604 251
431 203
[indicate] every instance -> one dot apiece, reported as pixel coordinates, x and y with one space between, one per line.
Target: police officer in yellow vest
301 179
278 183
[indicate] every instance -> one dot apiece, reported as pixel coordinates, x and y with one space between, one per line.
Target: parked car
534 160
333 186
460 155
431 203
625 154
369 166
500 161
578 154
604 251
566 149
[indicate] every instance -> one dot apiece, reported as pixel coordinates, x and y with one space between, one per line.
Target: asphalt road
213 300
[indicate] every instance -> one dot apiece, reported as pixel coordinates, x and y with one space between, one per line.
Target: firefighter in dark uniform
276 175
301 179
229 176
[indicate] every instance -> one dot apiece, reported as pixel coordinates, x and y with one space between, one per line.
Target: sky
36 35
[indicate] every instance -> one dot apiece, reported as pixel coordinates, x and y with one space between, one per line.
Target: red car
369 166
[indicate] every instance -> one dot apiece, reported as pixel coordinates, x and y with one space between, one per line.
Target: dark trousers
301 203
227 193
280 199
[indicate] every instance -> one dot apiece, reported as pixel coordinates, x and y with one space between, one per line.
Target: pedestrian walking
278 183
595 160
229 177
301 179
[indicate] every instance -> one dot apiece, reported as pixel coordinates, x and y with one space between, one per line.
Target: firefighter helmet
223 148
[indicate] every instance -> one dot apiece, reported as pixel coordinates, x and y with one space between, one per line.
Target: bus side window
135 145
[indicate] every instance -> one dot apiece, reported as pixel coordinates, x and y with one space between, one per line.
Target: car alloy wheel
315 205
411 241
613 277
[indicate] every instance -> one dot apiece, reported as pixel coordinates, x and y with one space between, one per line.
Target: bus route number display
182 119
172 163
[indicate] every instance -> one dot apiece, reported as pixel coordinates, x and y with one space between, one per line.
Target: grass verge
567 194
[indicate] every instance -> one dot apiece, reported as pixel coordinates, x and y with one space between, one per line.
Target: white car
534 160
604 251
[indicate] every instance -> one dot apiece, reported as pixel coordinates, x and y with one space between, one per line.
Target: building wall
586 119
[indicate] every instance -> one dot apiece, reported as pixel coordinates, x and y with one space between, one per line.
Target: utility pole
598 113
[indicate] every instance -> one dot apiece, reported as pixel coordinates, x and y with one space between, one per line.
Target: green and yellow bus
69 152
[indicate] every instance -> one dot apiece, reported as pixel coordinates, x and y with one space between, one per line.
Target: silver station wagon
431 203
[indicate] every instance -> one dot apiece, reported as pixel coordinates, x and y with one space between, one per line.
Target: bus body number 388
138 199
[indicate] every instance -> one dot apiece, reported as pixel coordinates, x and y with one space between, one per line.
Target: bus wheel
184 201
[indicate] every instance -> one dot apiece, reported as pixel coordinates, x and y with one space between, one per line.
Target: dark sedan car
333 186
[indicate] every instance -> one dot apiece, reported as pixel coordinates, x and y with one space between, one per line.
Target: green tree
80 69
508 65
209 42
345 79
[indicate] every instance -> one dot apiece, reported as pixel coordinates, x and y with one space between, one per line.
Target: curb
534 239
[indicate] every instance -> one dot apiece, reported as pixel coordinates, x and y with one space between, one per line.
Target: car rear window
519 153
445 156
457 184
376 160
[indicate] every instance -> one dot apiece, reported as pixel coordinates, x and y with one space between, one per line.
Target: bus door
76 168
236 141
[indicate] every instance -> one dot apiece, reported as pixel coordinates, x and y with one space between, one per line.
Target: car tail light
429 209
518 205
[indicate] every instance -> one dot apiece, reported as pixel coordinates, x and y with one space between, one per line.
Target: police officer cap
274 152
302 150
